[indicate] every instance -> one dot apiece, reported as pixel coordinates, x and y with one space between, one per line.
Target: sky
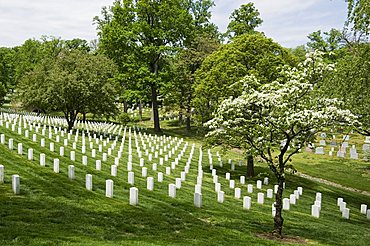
287 22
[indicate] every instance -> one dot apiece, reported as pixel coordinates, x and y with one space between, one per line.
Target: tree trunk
250 166
155 113
278 219
188 123
125 107
181 115
84 117
140 110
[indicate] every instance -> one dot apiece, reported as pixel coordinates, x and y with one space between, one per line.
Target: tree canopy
75 82
247 54
243 20
351 83
138 34
277 119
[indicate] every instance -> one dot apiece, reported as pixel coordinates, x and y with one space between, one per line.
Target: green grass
52 210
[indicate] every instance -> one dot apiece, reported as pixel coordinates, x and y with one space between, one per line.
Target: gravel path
332 184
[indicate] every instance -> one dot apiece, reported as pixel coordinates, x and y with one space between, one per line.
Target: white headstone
160 177
269 193
134 196
61 151
2 174
220 196
259 184
247 202
178 183
168 171
16 184
232 184
198 200
150 183
363 208
109 188
20 149
42 159
315 211
286 204
342 206
242 179
172 190
300 190
227 176
56 165
131 178
292 199
260 198
98 165
319 151
237 193
250 188
10 143
113 170
84 160
73 156
345 213
30 154
144 172
71 172
296 193
339 201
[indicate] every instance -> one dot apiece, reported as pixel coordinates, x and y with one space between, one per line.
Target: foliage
331 43
351 81
359 16
180 92
7 70
243 20
247 54
277 119
2 93
138 34
299 53
75 82
124 118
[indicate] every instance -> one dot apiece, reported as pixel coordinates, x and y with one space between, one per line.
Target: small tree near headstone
287 110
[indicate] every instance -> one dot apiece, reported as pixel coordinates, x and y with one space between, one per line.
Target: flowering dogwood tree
277 119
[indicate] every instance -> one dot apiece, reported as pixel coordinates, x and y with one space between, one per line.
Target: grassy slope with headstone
52 210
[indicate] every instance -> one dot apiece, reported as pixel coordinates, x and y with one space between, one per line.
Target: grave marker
16 184
134 196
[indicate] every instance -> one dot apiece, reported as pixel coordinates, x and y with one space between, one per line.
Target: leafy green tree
351 81
180 92
137 35
331 43
220 72
243 20
277 119
359 16
219 76
299 53
75 82
7 69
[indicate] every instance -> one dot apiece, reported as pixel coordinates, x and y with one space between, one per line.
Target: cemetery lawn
53 210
